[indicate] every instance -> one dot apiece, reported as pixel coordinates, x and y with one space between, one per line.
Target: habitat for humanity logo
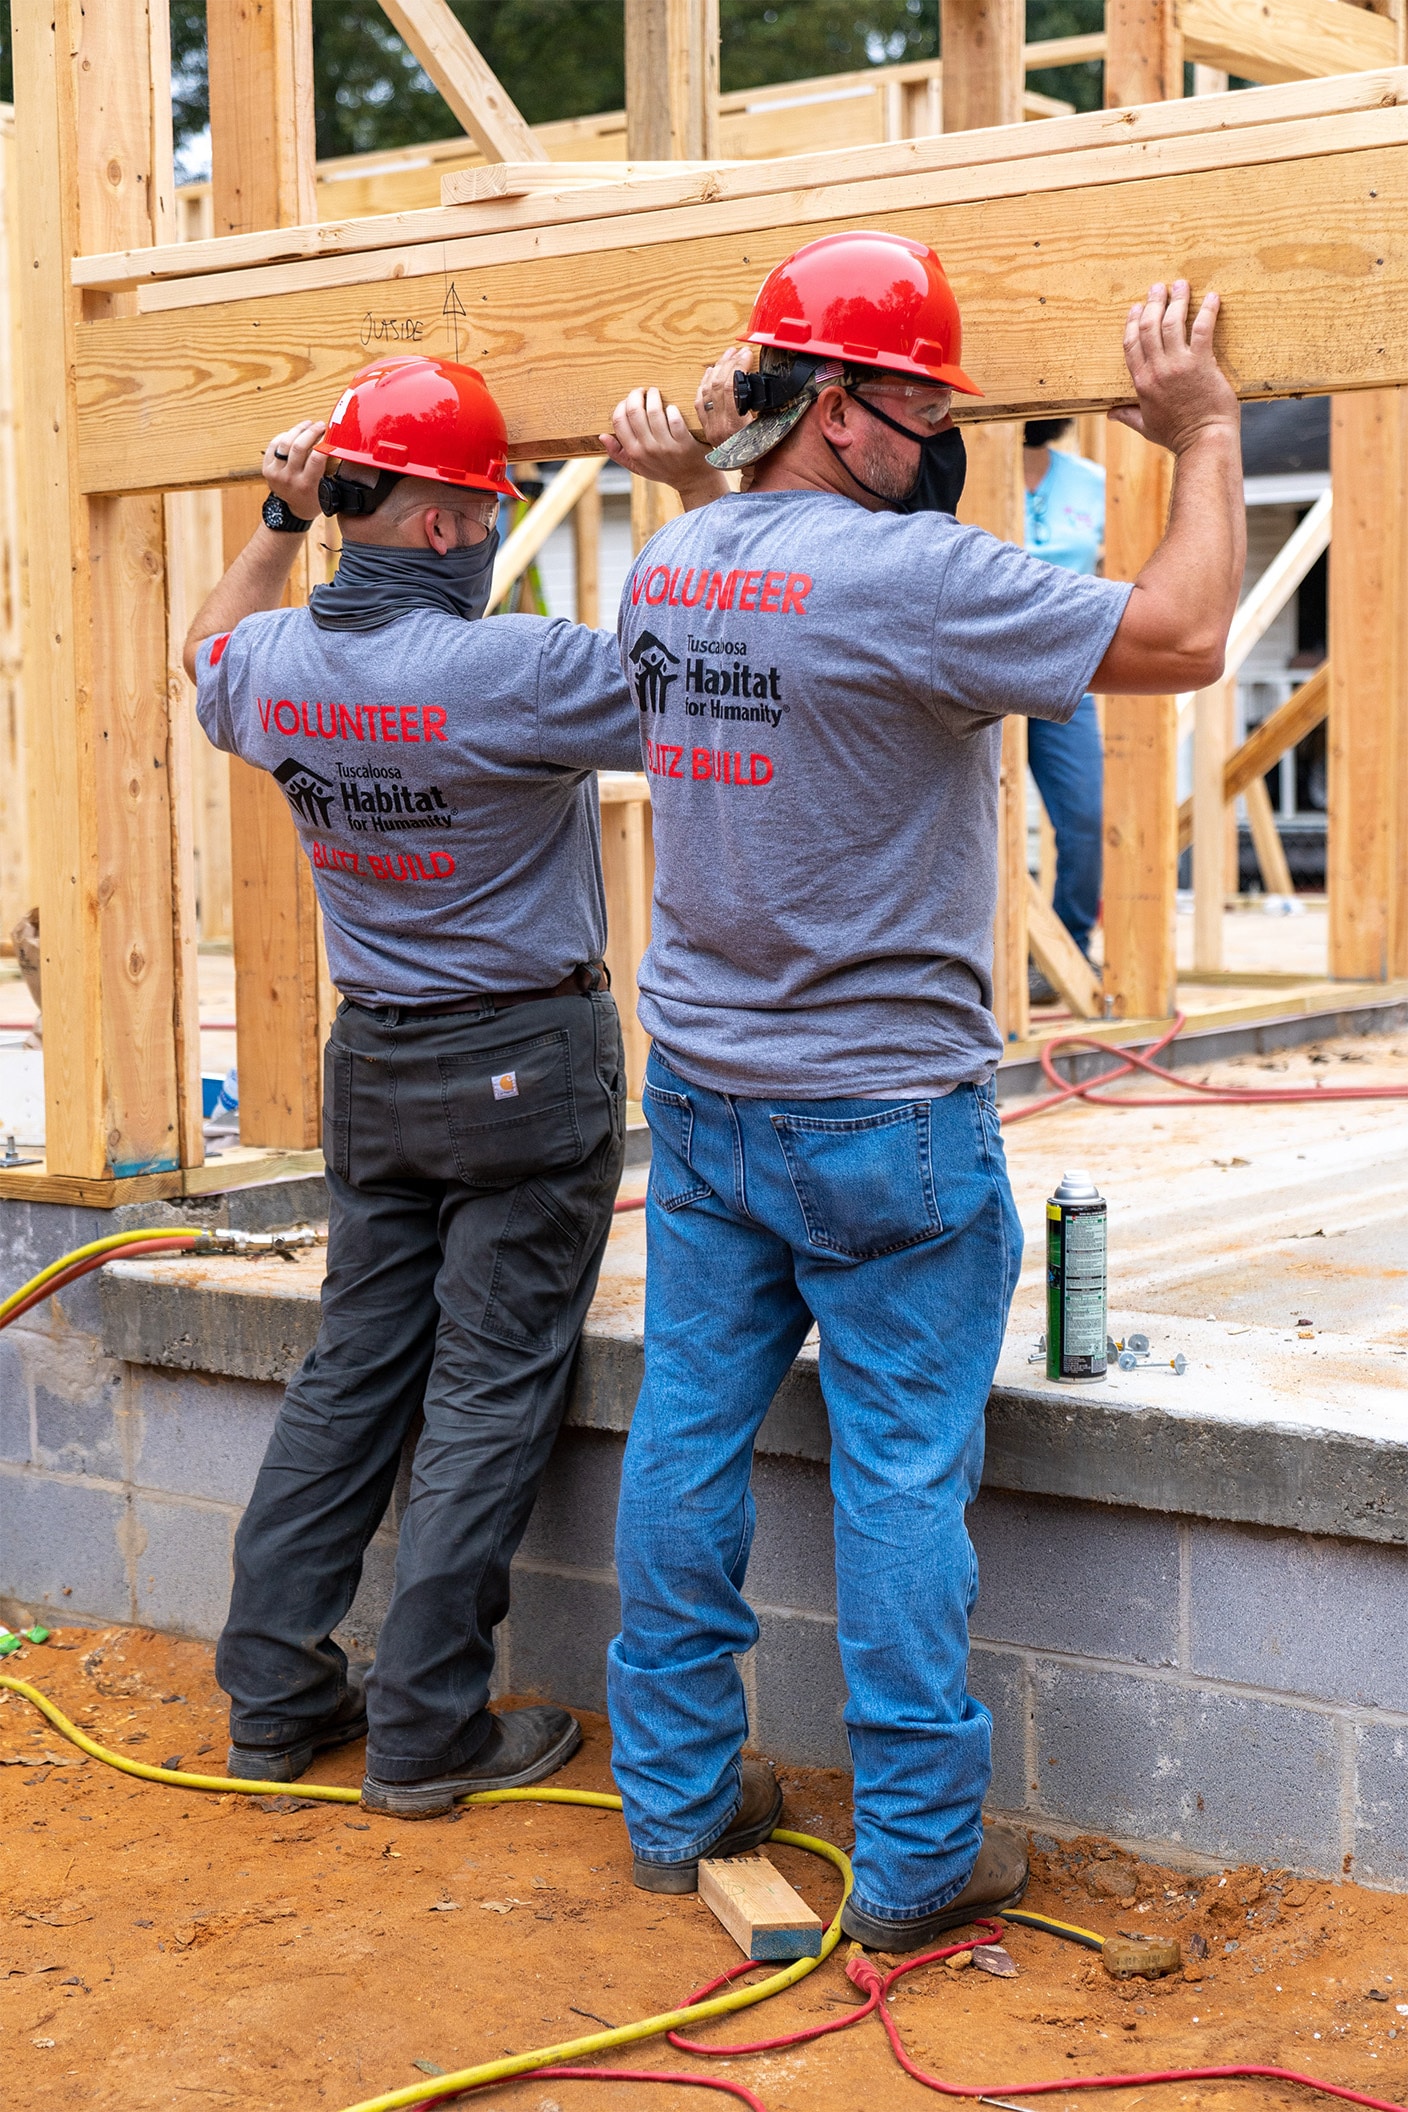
652 659
306 792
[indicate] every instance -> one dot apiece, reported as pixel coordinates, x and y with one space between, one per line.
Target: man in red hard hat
828 657
439 775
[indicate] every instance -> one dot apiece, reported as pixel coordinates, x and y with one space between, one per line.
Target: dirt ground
165 1948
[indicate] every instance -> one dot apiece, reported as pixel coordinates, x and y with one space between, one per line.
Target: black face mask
943 467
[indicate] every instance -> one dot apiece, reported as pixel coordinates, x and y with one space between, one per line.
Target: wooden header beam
1304 216
1162 138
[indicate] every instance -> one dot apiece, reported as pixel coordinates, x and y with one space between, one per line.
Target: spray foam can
1075 1280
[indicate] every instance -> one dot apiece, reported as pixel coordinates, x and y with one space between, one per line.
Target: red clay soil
165 1948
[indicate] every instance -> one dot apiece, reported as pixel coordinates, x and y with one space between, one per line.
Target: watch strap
279 515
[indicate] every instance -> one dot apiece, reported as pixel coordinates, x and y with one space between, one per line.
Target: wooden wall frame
149 372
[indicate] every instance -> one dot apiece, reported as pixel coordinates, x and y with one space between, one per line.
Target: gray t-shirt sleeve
1014 635
213 707
586 719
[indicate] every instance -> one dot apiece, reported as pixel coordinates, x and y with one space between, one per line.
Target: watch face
277 514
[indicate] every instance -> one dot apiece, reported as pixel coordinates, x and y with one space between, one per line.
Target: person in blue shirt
1066 526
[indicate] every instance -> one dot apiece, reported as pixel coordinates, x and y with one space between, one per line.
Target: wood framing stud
672 80
91 140
982 81
262 175
1367 856
1140 763
1144 52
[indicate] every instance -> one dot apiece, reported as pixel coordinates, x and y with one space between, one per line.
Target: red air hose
876 1986
1188 1091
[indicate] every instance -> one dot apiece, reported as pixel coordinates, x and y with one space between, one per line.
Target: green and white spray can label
1075 1280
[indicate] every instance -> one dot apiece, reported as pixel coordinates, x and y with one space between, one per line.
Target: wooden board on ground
760 1910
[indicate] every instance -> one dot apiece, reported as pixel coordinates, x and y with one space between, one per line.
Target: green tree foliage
565 58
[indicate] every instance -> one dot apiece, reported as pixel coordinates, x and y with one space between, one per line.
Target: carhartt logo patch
506 1086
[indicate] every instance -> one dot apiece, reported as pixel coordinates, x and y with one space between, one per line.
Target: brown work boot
759 1811
999 1879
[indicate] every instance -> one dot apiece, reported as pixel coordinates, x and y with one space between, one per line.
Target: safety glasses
921 405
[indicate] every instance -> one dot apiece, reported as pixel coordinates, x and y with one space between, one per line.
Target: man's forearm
256 580
1204 551
1174 629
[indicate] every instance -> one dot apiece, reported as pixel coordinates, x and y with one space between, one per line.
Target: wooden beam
1288 725
1209 851
262 163
628 871
465 79
1250 127
1286 40
16 779
570 484
89 134
1368 741
672 99
1059 958
1144 53
261 113
521 179
1143 64
189 397
586 551
785 118
672 80
982 75
1266 840
1141 871
982 86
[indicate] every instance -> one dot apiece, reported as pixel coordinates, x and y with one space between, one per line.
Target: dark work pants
472 1164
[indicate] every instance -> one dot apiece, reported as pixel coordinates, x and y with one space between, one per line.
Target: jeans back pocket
511 1110
865 1183
673 1181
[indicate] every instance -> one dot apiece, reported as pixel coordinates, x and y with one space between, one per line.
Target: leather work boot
759 1810
523 1746
999 1879
285 1763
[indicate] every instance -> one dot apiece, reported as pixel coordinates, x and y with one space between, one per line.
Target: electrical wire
706 2002
1189 1092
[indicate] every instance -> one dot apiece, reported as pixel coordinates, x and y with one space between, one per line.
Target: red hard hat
874 299
425 418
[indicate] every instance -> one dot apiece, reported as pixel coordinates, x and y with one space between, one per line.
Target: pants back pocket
865 1184
511 1110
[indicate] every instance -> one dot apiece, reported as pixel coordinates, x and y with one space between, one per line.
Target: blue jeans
891 1225
1068 764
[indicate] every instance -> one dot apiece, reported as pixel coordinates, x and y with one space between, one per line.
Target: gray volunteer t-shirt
440 777
820 693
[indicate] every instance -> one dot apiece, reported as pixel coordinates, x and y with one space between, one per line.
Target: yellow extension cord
571 2050
94 1246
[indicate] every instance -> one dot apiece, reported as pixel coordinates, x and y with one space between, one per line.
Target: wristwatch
281 517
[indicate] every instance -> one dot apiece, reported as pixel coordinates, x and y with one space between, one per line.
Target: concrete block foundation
1189 1632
